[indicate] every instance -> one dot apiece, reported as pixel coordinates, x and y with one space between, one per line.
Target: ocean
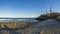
17 19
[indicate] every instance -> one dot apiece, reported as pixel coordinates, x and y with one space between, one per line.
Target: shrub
58 18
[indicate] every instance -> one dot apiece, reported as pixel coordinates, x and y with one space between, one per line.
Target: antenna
50 9
46 11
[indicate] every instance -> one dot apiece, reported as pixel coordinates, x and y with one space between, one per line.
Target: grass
14 24
26 30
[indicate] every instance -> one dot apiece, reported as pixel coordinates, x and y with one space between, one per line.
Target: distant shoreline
16 18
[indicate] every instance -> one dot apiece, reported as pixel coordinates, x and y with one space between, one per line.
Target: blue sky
27 8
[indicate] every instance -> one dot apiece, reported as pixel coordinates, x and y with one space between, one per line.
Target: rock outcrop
49 16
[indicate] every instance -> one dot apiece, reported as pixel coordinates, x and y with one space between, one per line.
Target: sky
27 8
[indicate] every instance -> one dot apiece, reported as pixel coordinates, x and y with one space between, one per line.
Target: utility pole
50 12
50 9
46 11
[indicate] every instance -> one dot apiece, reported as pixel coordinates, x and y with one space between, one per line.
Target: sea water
17 19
